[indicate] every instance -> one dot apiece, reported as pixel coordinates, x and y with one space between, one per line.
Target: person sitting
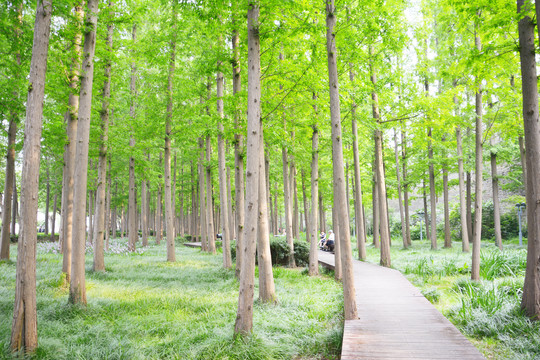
330 242
322 240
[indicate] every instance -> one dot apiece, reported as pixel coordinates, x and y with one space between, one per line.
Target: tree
77 288
24 326
530 301
244 316
338 170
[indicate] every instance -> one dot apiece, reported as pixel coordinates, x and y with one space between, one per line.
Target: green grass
145 308
487 312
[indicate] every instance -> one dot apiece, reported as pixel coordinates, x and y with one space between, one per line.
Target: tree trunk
108 215
432 195
101 211
202 198
8 188
14 207
244 318
359 216
405 186
169 211
349 296
53 223
222 174
522 156
47 200
71 119
77 288
475 268
144 213
322 214
338 269
530 301
305 200
210 232
496 203
447 239
24 326
400 199
375 205
287 205
426 214
238 154
132 202
314 237
462 201
267 290
90 234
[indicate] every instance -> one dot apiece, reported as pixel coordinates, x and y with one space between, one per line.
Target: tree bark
244 318
8 188
306 208
432 195
426 213
405 186
462 200
522 156
496 202
267 290
108 215
169 211
530 301
71 119
222 174
287 205
47 200
53 222
24 325
77 288
314 237
210 232
202 198
349 296
447 239
100 228
375 206
338 269
400 199
132 202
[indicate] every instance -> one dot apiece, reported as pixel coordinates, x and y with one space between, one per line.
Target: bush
279 252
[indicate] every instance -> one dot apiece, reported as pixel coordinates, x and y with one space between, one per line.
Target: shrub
432 294
279 251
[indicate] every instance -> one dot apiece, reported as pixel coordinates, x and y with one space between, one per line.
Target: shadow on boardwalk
396 321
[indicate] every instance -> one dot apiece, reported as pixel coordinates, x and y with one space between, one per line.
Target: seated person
322 240
330 242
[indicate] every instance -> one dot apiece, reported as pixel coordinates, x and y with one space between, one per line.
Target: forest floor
487 312
145 308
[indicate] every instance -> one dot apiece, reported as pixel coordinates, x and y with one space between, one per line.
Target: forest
168 168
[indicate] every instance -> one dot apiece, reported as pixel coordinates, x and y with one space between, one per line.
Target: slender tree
24 326
349 297
77 286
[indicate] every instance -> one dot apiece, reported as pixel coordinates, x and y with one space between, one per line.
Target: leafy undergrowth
145 308
488 312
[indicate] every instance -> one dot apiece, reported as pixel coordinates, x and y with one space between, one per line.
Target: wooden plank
193 244
396 321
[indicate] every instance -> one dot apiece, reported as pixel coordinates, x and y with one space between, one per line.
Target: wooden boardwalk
396 321
193 244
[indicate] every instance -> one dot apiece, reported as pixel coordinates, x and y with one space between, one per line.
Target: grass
145 308
488 312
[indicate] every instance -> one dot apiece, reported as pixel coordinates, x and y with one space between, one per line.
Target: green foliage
432 294
279 251
495 264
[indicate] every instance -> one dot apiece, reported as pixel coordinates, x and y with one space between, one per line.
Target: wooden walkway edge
395 321
193 244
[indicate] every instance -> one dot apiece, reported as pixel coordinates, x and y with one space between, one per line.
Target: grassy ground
487 312
145 308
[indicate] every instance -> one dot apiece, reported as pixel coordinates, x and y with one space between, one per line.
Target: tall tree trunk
244 318
338 269
381 181
306 208
530 301
462 201
77 288
53 222
101 211
144 213
24 326
375 206
90 234
359 216
432 195
287 204
400 199
405 185
71 119
447 239
349 296
222 174
210 232
108 215
158 229
202 198
238 154
8 188
47 200
314 237
169 211
475 268
522 156
496 203
267 290
426 213
132 202
14 207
